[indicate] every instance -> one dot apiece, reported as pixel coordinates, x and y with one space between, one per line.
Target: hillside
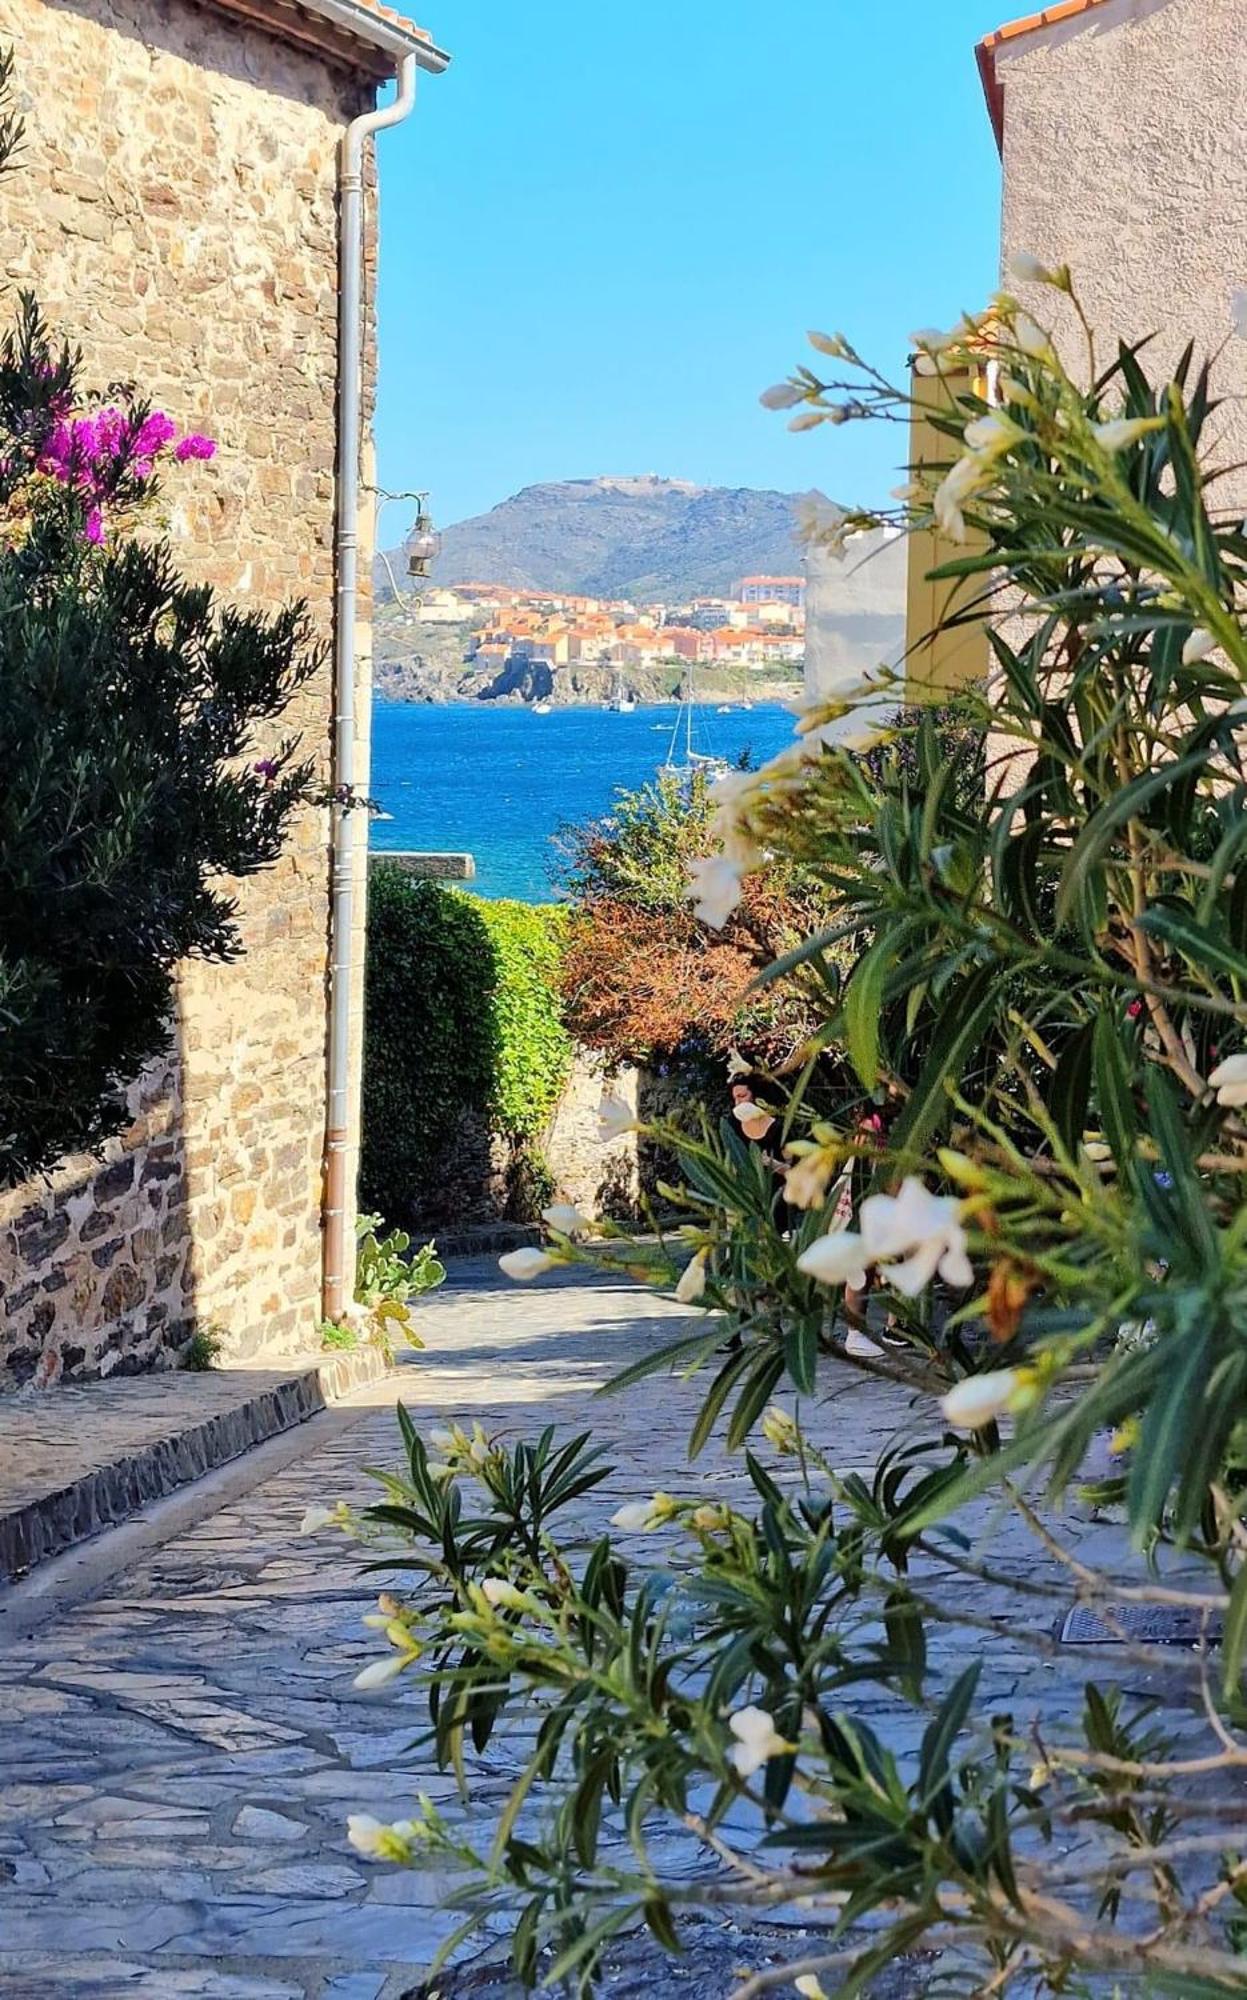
643 538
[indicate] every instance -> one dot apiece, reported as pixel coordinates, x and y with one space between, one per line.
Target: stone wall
481 1177
175 210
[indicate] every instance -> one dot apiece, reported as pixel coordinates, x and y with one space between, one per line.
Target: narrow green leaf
862 1005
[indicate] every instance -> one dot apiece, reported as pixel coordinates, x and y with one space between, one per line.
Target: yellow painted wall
937 659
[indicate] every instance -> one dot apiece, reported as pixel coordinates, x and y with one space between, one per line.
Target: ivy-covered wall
465 1057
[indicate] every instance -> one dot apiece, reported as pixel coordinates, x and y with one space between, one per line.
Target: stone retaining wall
485 1178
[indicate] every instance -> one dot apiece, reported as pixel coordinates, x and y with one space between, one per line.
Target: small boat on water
724 708
541 708
621 702
692 762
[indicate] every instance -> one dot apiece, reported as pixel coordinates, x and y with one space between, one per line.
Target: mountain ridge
634 536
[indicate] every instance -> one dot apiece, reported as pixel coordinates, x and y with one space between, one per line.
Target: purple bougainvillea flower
94 526
194 445
154 433
266 769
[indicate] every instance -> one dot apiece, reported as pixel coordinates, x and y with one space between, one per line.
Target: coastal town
483 641
761 624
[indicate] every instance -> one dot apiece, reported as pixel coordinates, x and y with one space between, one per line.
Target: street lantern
423 544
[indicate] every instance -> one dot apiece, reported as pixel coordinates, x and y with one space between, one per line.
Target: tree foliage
129 706
643 980
461 1016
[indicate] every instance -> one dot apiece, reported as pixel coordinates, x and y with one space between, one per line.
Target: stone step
76 1460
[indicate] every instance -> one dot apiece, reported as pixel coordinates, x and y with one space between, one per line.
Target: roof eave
1031 24
391 37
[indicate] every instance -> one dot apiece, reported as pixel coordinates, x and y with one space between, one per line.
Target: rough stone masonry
175 212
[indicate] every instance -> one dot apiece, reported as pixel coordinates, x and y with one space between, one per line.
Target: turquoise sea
499 782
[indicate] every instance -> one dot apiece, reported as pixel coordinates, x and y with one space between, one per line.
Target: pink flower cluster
92 453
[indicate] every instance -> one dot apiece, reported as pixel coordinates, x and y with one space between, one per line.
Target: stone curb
482 1239
112 1492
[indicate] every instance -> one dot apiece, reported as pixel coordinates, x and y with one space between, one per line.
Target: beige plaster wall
1125 155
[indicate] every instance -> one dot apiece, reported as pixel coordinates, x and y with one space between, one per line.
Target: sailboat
684 767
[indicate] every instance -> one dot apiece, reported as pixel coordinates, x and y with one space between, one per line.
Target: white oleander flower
1031 270
782 396
379 1672
565 1217
980 1399
715 888
480 1451
921 1229
810 1986
447 1441
693 1279
378 1842
1198 646
364 1833
737 1066
1229 1080
840 1258
757 1741
808 420
504 1596
1120 432
821 520
992 434
316 1518
1030 336
710 1520
640 1517
727 795
526 1264
808 1178
614 1119
935 340
959 484
833 344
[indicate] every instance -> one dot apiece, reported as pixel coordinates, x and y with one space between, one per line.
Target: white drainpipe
348 822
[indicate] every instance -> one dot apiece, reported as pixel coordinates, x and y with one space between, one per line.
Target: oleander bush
1034 964
462 1016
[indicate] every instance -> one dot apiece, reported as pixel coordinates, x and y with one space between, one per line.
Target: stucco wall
1125 156
176 212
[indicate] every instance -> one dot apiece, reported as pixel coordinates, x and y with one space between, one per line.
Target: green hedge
461 1012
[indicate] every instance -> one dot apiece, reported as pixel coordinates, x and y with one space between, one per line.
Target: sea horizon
500 782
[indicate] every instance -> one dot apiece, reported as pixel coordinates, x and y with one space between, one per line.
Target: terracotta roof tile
993 86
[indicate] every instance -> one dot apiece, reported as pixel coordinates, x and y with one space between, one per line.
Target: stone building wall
1124 156
176 212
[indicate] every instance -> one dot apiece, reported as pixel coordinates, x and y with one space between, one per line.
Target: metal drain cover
1144 1624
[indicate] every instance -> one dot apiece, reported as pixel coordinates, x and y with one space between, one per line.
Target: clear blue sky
607 228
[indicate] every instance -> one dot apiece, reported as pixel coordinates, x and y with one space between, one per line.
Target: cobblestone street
181 1751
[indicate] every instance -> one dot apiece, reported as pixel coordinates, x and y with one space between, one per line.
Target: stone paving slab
178 1755
74 1461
